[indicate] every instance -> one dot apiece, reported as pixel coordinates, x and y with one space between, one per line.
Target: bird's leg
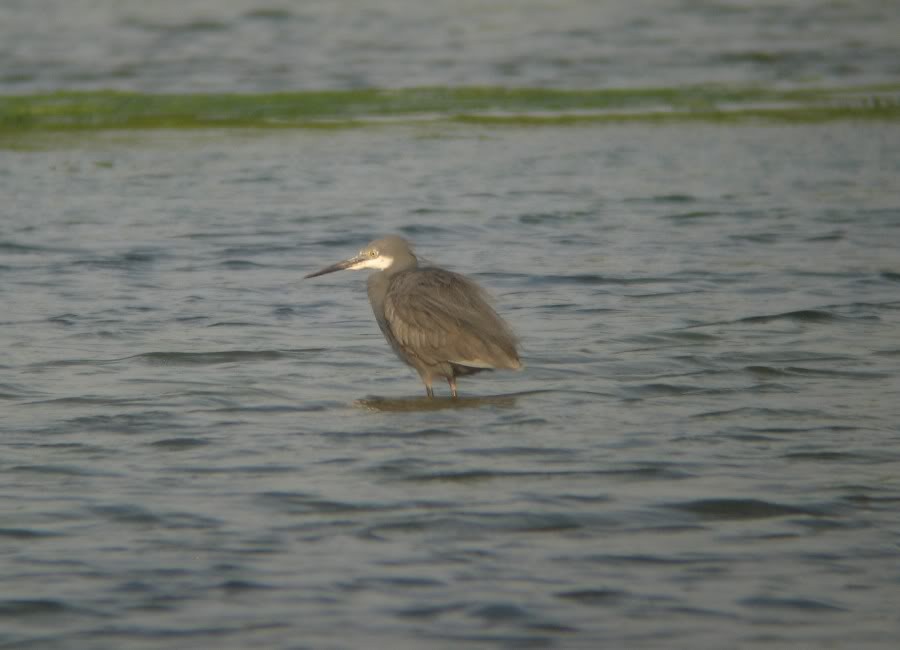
428 390
452 382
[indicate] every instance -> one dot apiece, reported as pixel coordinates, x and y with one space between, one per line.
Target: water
273 45
200 449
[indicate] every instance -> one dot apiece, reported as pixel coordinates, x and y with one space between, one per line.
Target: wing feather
439 316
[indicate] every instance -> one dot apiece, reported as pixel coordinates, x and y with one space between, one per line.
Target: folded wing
442 317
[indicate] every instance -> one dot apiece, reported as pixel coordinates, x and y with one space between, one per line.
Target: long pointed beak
340 266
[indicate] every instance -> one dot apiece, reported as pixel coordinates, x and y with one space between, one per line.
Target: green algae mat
101 110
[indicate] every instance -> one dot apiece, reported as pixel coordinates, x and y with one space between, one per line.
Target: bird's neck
401 265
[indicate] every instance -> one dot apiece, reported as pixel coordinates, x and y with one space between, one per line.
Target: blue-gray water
199 449
274 45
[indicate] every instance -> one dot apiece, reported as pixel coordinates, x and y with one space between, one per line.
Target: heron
439 322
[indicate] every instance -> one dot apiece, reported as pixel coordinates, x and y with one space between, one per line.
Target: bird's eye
373 253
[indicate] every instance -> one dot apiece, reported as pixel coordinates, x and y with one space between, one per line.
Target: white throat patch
381 263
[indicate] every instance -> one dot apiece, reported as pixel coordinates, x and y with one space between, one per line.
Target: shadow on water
417 404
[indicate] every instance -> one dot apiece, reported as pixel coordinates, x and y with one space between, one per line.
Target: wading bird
437 321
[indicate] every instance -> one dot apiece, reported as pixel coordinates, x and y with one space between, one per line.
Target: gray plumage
439 322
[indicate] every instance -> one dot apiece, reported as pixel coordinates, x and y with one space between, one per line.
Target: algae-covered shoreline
106 110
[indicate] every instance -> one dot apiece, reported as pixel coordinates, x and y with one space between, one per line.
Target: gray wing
440 316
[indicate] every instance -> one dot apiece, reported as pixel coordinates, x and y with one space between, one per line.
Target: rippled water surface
276 45
200 449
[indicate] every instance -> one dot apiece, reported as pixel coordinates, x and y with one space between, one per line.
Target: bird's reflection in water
414 404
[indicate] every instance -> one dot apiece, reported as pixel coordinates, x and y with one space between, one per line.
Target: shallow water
267 46
200 449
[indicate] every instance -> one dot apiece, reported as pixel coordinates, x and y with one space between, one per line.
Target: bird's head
379 255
